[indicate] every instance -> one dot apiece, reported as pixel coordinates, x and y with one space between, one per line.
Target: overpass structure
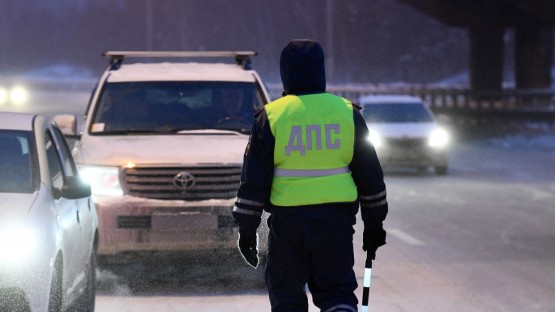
487 21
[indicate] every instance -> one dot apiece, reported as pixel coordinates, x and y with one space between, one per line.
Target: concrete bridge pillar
533 53
487 20
486 56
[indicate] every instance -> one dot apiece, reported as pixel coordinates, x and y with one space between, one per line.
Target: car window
396 112
176 106
16 162
54 162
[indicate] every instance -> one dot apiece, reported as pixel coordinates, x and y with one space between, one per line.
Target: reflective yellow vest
314 142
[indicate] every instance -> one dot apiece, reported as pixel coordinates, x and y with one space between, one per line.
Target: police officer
310 165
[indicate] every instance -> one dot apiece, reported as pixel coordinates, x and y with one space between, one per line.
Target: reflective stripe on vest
314 142
280 172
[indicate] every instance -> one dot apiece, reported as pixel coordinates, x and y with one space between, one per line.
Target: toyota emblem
183 181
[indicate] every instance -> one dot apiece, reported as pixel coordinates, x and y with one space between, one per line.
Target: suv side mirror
75 188
67 124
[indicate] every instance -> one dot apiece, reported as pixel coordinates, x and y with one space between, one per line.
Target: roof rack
242 58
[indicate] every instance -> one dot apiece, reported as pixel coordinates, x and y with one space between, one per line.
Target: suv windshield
16 165
396 112
173 106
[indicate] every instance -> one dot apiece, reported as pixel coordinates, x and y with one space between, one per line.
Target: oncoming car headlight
17 244
3 95
375 138
16 95
438 138
103 180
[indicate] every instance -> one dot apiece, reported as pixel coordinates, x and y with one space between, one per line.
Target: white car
48 222
162 146
405 132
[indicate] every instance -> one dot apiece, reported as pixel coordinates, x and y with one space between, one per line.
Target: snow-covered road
478 239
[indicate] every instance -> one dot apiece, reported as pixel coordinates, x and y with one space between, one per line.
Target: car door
69 221
85 206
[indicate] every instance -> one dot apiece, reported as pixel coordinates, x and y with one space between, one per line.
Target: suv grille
207 182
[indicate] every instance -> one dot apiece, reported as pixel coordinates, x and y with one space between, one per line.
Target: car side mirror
75 188
67 124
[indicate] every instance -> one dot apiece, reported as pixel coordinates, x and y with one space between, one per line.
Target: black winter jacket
302 72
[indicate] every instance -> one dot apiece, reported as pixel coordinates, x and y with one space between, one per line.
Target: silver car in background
48 223
405 132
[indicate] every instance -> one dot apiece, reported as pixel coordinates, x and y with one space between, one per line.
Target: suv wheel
88 298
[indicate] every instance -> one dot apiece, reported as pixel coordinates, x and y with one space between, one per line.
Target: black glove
247 246
372 239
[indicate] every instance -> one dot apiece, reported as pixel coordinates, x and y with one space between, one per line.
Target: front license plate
183 221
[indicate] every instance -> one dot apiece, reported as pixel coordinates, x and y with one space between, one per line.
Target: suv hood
191 148
15 206
403 129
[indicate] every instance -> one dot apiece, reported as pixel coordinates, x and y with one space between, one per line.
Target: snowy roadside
542 141
529 135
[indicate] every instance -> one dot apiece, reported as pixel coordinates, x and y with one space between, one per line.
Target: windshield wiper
128 131
210 131
191 130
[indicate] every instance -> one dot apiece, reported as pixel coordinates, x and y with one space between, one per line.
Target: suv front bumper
132 224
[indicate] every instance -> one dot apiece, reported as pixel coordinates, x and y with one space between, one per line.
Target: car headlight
375 138
438 138
17 244
103 180
18 95
3 96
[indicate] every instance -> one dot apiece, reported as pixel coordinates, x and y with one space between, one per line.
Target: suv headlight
438 138
103 180
17 244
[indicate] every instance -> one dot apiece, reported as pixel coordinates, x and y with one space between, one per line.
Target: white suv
162 145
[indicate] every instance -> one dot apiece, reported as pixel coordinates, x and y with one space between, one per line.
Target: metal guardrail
532 104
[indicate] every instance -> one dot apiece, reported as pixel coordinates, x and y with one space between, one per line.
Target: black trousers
305 251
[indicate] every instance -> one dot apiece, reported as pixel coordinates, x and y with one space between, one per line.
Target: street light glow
18 95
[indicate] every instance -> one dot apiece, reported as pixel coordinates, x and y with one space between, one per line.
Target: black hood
302 68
